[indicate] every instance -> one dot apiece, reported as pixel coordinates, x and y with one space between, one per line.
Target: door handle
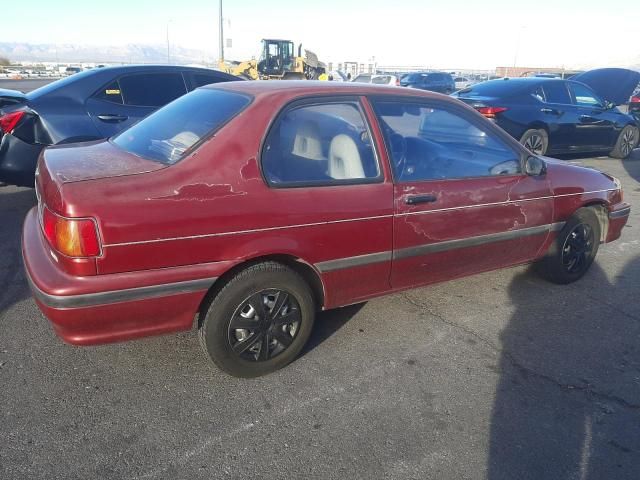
415 199
551 110
587 118
111 118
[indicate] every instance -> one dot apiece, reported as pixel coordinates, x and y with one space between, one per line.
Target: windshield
171 133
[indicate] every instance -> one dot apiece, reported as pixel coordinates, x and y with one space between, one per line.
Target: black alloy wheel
577 248
264 325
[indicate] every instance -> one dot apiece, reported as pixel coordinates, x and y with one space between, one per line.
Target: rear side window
556 92
201 79
152 89
320 144
172 132
584 96
110 93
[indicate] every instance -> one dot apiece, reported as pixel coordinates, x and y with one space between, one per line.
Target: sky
461 34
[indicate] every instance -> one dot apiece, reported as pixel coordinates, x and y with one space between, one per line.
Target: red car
248 206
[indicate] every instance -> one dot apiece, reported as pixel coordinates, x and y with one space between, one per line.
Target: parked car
89 105
463 82
363 78
434 81
338 76
252 205
551 116
386 80
634 103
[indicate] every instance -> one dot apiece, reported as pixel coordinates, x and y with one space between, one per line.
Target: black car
434 81
551 115
89 105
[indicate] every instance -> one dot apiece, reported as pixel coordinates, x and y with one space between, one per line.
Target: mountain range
66 53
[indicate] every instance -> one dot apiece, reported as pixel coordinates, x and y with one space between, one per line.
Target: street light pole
168 54
221 39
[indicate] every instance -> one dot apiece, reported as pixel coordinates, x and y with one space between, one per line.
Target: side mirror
535 166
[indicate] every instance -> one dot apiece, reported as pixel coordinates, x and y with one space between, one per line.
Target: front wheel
259 321
627 141
573 250
536 141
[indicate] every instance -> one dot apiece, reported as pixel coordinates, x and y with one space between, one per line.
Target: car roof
298 88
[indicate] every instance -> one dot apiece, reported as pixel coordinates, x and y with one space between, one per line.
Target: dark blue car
551 115
86 106
433 81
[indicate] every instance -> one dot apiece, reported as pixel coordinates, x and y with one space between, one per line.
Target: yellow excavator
277 62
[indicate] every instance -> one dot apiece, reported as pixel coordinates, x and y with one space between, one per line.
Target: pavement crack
525 371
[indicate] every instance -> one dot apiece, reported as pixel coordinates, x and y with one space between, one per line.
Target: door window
320 144
584 96
556 92
110 93
201 79
428 143
152 89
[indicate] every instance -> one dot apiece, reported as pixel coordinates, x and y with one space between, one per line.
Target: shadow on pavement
632 165
14 205
329 322
568 401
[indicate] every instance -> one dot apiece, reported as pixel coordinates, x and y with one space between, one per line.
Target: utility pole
221 50
168 54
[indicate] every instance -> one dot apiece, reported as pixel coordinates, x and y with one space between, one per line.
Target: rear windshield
496 88
172 132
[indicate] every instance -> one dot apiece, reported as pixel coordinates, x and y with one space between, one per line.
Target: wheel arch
302 268
601 211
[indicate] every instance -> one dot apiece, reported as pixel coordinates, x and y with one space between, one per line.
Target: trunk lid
11 97
91 161
613 84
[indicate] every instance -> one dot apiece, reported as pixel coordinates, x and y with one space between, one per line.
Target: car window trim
470 116
322 100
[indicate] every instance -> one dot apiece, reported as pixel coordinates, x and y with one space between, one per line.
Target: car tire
245 329
627 141
573 250
536 141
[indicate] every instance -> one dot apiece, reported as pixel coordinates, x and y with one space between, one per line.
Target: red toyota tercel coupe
248 206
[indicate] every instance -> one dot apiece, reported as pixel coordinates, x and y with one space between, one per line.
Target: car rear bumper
110 308
18 160
617 220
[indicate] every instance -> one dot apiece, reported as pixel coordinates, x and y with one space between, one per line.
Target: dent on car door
321 164
462 203
130 98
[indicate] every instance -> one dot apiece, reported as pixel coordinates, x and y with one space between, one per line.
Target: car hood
613 84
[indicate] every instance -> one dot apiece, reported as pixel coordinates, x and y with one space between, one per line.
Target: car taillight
635 99
73 237
490 112
397 82
9 121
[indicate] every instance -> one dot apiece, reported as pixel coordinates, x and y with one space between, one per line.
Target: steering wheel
398 147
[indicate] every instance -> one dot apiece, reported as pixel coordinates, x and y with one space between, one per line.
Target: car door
462 203
321 165
595 127
558 113
129 98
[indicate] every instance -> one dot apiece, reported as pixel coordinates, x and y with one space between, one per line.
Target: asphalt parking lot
498 376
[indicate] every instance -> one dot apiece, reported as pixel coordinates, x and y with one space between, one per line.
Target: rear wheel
574 249
536 141
627 141
259 321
